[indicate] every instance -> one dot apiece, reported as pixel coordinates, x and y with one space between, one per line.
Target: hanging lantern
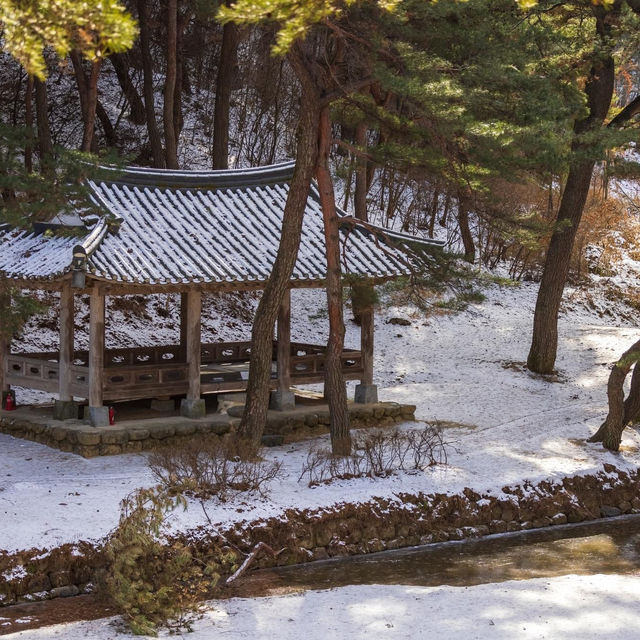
79 266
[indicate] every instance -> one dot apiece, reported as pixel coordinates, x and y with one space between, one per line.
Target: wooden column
65 358
183 324
283 399
366 391
366 345
193 406
284 343
194 308
96 347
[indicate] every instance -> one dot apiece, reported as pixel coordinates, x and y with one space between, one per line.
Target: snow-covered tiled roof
212 227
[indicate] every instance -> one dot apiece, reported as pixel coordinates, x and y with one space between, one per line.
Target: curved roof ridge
185 179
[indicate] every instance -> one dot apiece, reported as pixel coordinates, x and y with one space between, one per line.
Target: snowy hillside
465 370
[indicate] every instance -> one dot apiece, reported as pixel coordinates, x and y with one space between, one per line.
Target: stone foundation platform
132 436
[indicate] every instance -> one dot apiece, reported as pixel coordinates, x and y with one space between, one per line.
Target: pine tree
590 139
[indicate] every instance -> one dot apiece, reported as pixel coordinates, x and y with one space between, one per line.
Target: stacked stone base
90 442
143 435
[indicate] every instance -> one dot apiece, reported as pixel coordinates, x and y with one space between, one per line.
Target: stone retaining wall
282 427
352 529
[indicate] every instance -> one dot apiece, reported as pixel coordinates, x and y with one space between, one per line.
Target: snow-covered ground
566 608
505 424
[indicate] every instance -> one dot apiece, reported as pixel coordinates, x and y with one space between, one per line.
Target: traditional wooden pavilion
189 233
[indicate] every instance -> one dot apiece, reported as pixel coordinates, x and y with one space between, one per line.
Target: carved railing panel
142 372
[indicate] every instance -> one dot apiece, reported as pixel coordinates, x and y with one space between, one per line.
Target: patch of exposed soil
33 615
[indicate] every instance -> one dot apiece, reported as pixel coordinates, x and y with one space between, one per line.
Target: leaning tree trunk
254 417
544 343
621 413
599 91
120 62
632 403
334 385
224 82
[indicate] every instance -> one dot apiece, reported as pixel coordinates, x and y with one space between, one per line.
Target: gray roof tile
214 227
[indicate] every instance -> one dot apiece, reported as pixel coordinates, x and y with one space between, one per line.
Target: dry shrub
206 467
608 226
378 453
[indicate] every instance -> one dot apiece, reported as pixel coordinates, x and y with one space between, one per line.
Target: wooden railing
34 372
143 372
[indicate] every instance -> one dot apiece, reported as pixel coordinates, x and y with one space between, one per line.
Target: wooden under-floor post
66 340
366 391
98 414
64 406
193 406
284 399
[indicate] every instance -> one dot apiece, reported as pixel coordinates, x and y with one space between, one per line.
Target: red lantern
9 402
112 415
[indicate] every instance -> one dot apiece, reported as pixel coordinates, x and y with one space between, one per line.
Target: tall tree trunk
45 146
362 187
445 210
28 122
465 231
120 62
147 67
599 91
92 100
620 412
88 92
170 141
255 412
434 209
178 119
334 384
224 83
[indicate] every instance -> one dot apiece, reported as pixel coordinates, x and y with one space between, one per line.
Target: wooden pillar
284 343
65 358
366 345
366 391
183 324
283 399
98 415
193 406
194 307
